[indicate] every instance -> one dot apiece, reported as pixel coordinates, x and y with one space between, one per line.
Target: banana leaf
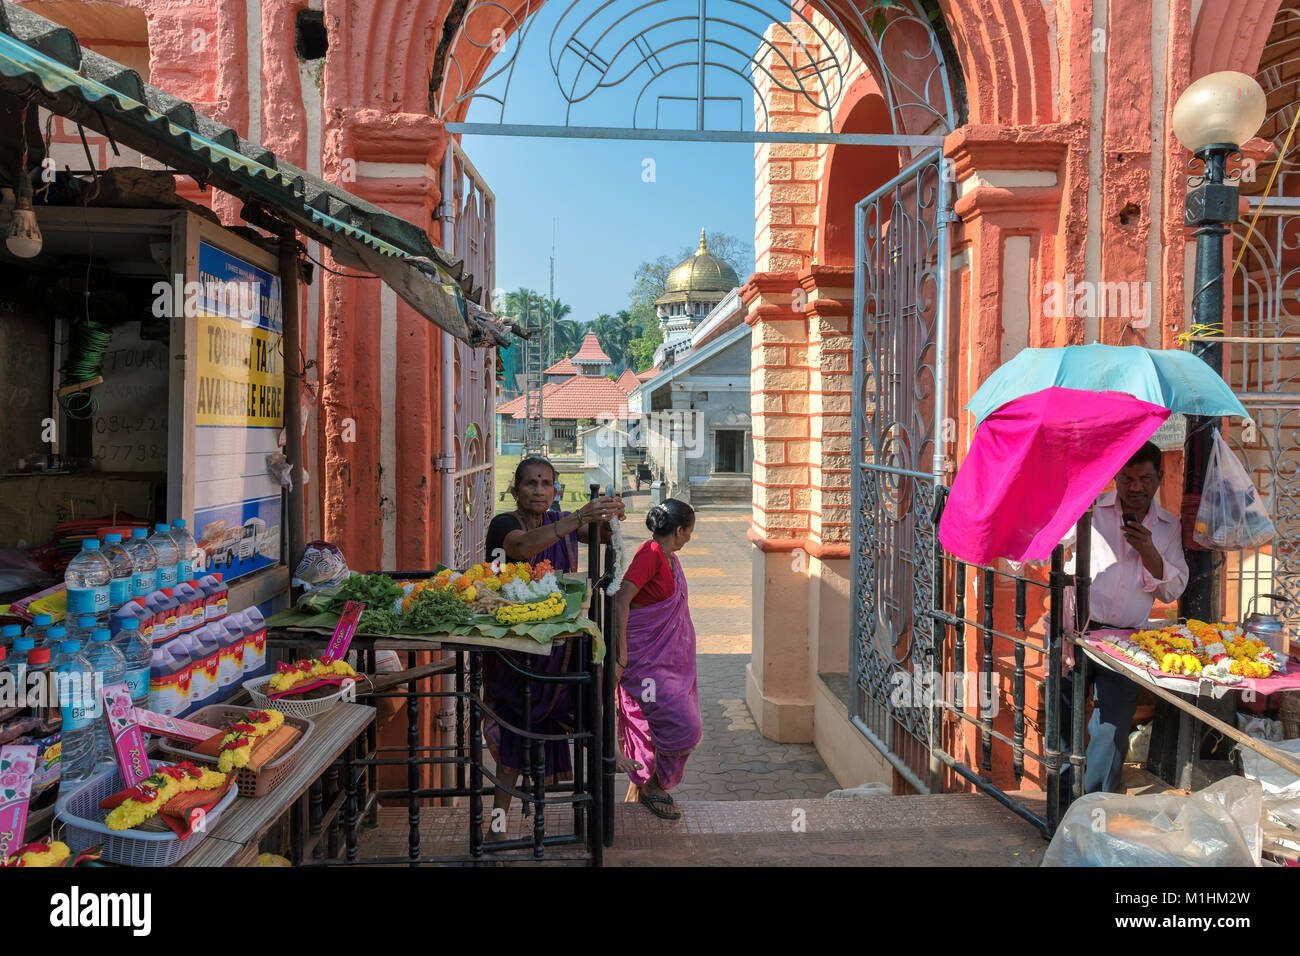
480 625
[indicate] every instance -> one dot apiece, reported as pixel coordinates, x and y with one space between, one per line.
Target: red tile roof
591 350
584 396
564 366
517 407
647 374
628 381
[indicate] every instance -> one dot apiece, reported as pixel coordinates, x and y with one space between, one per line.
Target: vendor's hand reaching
602 509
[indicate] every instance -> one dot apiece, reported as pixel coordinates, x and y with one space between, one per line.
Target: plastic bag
1219 826
1232 514
322 566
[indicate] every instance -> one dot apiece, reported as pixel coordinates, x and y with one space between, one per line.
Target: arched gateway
877 85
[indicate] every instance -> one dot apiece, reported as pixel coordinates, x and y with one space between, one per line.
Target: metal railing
951 721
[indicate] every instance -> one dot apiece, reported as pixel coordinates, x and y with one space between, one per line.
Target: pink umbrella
1035 466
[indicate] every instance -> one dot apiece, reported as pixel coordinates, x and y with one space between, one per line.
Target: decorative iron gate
899 380
469 393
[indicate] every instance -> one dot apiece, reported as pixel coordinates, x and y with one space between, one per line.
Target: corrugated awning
44 61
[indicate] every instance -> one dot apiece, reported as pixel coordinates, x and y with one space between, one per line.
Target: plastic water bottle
144 564
166 551
186 551
19 648
110 668
38 628
43 696
77 706
122 567
87 581
67 649
55 636
138 654
82 629
8 634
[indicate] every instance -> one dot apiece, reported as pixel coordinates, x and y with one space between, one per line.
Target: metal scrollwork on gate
673 67
899 328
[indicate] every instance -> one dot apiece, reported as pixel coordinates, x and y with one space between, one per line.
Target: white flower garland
620 556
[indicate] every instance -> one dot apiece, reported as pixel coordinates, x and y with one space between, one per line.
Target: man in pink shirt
1137 558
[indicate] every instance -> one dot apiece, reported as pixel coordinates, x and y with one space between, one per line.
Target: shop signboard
238 414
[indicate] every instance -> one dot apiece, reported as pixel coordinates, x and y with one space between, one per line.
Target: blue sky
608 219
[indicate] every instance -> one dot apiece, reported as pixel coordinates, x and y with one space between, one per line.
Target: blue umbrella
1172 379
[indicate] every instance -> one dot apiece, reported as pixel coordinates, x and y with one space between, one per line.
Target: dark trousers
1115 699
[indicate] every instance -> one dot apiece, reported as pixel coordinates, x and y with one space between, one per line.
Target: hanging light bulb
24 236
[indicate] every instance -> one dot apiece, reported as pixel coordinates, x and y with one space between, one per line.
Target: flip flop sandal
649 801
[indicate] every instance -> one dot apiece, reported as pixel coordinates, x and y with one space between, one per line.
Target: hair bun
656 519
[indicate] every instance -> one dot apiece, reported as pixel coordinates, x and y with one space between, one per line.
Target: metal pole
1211 203
1052 730
297 526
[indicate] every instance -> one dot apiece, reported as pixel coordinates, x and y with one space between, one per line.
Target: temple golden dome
702 272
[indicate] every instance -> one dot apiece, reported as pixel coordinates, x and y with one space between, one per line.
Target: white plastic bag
1218 826
1232 515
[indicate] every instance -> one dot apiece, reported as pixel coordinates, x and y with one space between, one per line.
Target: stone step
953 829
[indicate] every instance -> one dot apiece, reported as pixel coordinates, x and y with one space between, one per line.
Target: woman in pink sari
654 663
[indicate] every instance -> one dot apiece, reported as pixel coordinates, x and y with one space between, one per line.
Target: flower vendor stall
511 612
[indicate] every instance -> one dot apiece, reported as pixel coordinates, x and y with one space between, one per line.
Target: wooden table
237 832
1188 711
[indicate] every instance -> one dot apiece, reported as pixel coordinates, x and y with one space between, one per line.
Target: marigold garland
237 745
1217 651
40 854
289 675
154 791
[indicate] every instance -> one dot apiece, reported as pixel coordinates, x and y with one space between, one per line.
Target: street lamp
1212 118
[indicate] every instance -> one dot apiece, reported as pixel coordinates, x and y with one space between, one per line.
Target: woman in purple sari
532 532
654 663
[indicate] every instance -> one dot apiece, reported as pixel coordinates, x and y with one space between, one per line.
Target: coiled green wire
87 344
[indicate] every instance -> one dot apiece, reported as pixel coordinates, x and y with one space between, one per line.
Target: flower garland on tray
1220 652
151 794
238 743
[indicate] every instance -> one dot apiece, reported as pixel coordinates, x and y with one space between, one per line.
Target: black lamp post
1212 118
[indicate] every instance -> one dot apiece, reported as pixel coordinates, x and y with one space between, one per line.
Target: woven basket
1289 712
297 708
84 826
251 783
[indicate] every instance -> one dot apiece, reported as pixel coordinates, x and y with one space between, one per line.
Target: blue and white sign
239 414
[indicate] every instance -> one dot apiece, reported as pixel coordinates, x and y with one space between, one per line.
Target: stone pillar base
785 721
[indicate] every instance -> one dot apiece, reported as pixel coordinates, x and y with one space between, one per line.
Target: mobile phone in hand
1128 518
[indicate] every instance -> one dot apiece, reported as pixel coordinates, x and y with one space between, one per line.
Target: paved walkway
734 761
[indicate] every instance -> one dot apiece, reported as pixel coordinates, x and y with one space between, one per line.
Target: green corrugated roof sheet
40 57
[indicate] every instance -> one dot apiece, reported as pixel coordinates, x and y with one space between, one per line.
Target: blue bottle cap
43 620
112 539
23 644
90 544
139 533
10 630
101 634
130 624
55 633
178 523
70 647
161 528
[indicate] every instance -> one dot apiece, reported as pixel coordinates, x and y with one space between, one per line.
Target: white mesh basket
84 826
297 708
